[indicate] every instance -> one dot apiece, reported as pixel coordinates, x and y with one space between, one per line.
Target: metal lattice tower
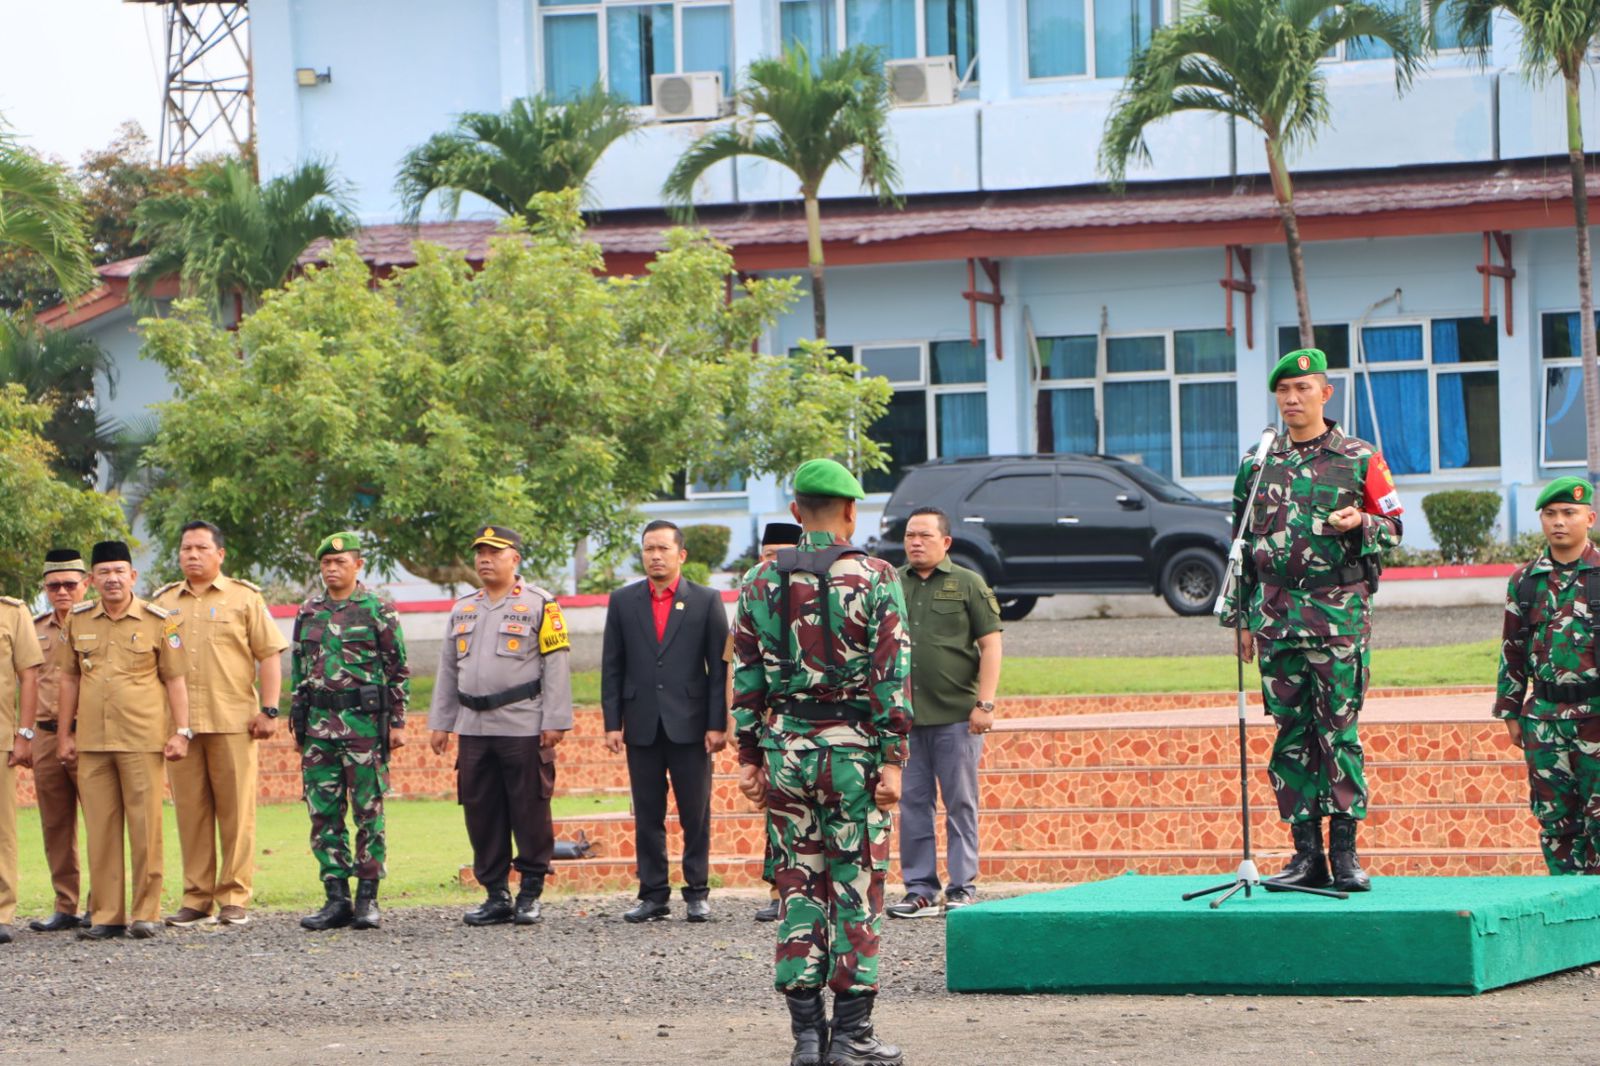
207 80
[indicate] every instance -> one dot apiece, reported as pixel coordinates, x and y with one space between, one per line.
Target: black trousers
689 767
505 785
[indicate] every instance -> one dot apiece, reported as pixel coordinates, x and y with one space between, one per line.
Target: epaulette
42 615
159 612
164 589
12 601
86 605
251 585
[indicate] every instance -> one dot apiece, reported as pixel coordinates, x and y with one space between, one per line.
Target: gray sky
71 71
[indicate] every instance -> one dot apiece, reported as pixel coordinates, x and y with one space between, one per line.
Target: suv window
1016 490
929 484
1082 490
1157 485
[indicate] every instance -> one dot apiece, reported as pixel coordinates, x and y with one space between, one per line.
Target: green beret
344 541
1297 364
1567 490
824 477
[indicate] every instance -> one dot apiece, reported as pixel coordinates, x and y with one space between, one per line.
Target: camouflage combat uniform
339 646
1312 641
1560 730
831 841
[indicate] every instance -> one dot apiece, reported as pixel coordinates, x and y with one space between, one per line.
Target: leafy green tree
535 145
1557 37
1260 62
229 240
57 368
42 213
807 118
46 512
535 393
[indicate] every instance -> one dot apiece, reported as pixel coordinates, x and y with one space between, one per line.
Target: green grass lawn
427 846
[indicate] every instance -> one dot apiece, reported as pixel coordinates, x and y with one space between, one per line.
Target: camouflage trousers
830 847
338 774
1314 692
1564 790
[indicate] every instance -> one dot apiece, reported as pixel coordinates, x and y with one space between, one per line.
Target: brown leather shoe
188 917
231 915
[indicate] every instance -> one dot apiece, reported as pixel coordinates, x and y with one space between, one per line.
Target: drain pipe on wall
1360 367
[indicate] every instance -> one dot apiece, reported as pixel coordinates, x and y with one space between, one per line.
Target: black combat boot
365 915
1309 867
853 1042
336 913
808 1020
496 910
1348 876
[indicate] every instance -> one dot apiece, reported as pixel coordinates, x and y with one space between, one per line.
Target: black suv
1036 525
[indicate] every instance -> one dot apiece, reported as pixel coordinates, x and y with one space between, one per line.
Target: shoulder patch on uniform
11 601
159 612
164 589
553 635
86 605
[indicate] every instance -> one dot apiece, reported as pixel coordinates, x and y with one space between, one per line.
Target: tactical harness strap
817 563
1351 574
1527 600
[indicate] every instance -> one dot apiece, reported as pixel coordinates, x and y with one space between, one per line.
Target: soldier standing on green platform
1324 514
820 642
1548 639
350 687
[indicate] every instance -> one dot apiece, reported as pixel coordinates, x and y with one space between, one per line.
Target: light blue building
1125 301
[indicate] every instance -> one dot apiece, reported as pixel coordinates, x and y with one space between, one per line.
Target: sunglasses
61 586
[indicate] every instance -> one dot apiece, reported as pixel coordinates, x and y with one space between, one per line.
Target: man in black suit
662 690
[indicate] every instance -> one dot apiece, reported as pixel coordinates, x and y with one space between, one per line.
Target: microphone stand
1248 877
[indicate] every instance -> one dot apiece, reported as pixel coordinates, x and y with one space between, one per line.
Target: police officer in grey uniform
505 689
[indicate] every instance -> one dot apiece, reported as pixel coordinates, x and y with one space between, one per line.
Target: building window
622 44
939 407
1149 384
1448 40
1088 38
900 29
1435 386
1564 436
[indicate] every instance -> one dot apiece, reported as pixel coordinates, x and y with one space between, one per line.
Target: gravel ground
1397 627
584 988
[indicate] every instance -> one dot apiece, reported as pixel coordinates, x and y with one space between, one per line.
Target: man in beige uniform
228 638
66 582
119 657
19 673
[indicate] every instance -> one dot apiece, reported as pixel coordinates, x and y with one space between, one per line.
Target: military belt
46 727
824 712
336 701
1578 692
529 691
1344 575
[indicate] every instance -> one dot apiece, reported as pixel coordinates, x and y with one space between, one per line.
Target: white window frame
1169 12
1103 376
691 493
1434 370
1339 56
1575 361
844 30
929 391
598 9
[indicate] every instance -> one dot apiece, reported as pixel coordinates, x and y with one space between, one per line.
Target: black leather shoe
364 915
808 1021
336 913
85 919
1348 876
496 910
853 1042
771 912
647 911
144 930
699 911
6 934
1309 866
55 923
102 932
529 910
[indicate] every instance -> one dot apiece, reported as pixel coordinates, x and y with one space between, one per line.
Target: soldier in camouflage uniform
1549 640
820 642
1325 513
350 687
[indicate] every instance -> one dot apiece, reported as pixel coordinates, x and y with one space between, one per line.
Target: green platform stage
1435 936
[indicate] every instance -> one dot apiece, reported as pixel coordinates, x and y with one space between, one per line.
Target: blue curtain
1565 427
1453 449
571 54
1139 423
1203 351
963 424
1208 429
1400 396
955 363
1127 355
1072 422
1062 358
1121 28
1057 40
887 24
811 23
708 42
638 44
953 30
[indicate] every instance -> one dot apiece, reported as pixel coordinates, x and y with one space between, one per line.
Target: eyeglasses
61 586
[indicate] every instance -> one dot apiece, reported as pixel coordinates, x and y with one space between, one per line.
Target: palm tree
58 368
230 240
806 118
536 145
1556 38
42 212
1259 61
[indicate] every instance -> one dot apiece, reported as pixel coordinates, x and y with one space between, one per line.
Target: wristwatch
25 733
186 733
986 706
269 710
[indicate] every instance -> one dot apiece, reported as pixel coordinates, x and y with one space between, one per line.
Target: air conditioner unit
922 82
696 95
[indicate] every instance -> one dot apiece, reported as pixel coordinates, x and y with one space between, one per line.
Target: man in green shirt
954 621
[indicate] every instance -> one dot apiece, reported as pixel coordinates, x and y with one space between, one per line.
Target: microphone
1269 437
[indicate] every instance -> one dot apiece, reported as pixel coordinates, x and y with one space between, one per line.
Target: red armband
1380 495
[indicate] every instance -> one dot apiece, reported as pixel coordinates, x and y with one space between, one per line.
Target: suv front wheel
1191 581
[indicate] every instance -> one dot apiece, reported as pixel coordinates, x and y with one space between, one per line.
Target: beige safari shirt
19 647
49 631
226 630
122 665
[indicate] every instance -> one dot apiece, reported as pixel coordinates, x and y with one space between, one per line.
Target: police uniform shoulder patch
164 589
11 601
86 605
553 635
